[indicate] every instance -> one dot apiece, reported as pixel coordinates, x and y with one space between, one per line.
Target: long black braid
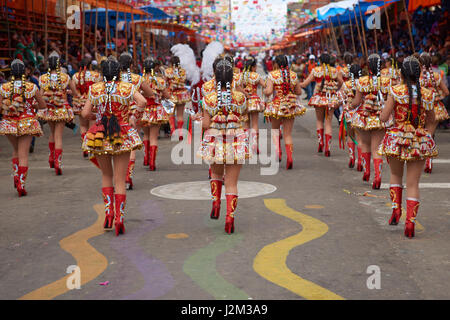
425 60
125 60
411 73
224 77
18 72
355 73
282 62
111 73
324 61
348 59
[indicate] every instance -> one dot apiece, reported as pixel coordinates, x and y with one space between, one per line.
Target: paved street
308 233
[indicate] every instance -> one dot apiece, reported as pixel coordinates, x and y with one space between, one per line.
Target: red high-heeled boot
108 200
51 156
327 145
395 191
22 177
428 165
231 208
351 153
366 165
153 152
359 167
180 131
119 206
172 124
378 166
58 162
130 174
412 207
216 193
146 152
320 137
15 165
289 161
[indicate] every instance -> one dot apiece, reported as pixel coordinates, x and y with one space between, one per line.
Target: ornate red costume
325 96
121 99
55 95
83 80
404 141
283 106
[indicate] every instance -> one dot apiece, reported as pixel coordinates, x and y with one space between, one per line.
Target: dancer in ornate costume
154 114
82 80
19 123
324 99
54 86
283 108
346 94
409 140
226 143
251 81
392 71
113 137
370 96
176 78
126 60
433 81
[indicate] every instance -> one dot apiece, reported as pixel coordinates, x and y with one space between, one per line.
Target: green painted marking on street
201 266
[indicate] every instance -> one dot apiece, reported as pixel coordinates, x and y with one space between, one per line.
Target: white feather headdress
187 62
212 51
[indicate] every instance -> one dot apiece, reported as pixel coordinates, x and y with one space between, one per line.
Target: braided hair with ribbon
18 72
54 65
249 64
111 72
348 59
125 60
224 77
425 60
410 70
325 62
374 64
282 62
149 68
355 73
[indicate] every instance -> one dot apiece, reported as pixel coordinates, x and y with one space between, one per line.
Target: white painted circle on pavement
201 190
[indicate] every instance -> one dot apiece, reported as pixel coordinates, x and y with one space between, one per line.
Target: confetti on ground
104 283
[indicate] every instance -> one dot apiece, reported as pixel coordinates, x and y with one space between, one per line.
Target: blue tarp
155 14
345 16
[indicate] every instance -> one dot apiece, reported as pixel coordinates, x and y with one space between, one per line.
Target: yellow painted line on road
177 236
91 262
314 206
270 262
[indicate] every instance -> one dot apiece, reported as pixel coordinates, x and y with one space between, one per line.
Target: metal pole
351 31
117 29
106 28
96 23
46 31
363 31
409 26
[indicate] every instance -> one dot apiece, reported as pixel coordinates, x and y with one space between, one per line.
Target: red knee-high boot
180 131
378 165
366 165
130 174
58 162
51 156
289 161
351 152
428 165
108 200
119 206
146 152
320 137
153 152
172 124
359 167
22 177
15 165
395 191
216 193
327 145
412 207
231 208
